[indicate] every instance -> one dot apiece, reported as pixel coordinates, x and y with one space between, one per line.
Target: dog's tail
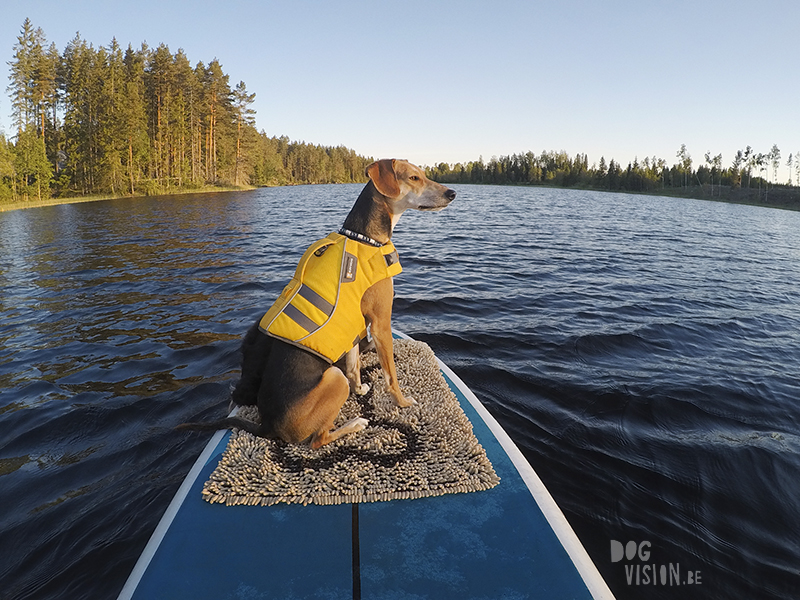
228 423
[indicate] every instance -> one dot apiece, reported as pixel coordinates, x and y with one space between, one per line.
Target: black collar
360 237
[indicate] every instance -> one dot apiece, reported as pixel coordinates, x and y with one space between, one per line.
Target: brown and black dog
298 393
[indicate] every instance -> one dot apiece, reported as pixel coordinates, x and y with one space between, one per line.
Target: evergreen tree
217 98
685 164
49 89
158 73
181 117
789 163
46 65
749 158
601 173
83 82
111 150
23 87
244 118
133 117
774 158
736 167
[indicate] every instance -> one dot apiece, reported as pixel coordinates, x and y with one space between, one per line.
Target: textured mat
424 450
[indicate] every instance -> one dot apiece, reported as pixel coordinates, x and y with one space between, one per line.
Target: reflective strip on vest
320 309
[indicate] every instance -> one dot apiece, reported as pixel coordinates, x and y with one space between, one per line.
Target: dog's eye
414 178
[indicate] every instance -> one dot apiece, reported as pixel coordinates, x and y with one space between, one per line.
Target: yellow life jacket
320 309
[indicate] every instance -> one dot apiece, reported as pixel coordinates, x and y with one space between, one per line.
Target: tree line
108 121
748 168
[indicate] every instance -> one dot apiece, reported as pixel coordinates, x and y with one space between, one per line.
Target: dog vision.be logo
640 571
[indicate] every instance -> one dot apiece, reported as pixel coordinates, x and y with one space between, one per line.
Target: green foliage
650 175
28 53
6 169
143 121
281 162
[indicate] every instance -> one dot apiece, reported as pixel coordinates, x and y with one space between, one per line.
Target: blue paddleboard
510 541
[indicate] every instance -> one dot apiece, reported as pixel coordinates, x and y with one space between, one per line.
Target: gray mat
424 450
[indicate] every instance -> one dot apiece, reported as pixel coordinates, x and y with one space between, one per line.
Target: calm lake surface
643 352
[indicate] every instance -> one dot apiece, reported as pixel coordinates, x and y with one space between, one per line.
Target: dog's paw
359 424
363 389
405 401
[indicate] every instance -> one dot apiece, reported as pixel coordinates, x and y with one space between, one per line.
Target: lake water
642 351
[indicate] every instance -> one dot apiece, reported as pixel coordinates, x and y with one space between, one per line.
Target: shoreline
9 206
779 197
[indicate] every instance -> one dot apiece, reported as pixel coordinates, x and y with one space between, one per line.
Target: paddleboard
510 541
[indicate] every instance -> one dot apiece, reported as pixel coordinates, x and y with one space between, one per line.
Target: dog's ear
382 174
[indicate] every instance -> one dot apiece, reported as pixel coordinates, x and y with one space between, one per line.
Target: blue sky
450 81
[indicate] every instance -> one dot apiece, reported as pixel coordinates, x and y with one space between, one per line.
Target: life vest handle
301 266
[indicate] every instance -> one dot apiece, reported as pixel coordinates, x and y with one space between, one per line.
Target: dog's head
405 186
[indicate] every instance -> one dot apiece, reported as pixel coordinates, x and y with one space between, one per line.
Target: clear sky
452 80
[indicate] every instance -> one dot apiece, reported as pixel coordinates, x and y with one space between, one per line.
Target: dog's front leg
353 371
383 343
377 308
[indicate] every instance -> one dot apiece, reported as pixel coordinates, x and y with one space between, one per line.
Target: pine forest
108 121
751 177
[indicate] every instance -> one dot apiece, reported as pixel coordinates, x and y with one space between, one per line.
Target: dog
291 369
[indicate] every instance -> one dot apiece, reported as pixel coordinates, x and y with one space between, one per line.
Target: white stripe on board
558 522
